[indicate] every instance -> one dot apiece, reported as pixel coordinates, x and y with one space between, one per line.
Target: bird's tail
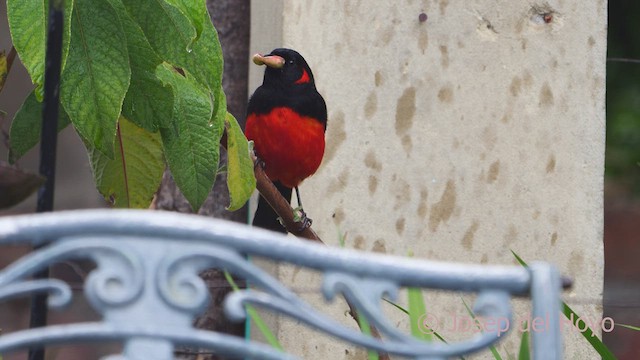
265 217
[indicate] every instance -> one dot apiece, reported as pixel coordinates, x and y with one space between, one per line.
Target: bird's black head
288 82
286 70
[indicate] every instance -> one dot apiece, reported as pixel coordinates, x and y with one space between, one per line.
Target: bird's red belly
290 145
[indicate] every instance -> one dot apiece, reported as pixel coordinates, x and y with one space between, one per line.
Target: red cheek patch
304 78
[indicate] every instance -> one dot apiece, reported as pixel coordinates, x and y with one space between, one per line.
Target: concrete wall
457 138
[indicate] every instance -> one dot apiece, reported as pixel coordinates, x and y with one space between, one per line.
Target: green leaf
170 32
253 315
26 126
588 334
131 178
524 353
147 103
66 35
3 69
196 12
193 151
240 177
97 75
28 25
16 185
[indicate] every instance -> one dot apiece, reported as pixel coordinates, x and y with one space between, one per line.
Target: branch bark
282 207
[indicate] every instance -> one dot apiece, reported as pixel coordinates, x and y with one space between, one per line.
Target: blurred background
75 189
622 179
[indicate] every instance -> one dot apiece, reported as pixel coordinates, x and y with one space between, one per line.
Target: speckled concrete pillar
458 131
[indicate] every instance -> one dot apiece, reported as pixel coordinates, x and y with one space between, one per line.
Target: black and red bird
286 119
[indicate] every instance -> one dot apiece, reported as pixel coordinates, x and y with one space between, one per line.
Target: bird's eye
291 62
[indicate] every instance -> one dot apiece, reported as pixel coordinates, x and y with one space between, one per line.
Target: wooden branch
282 207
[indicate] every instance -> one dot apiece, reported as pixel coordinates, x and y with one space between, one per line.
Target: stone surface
477 131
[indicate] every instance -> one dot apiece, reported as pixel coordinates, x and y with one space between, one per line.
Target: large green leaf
170 32
28 25
209 61
26 127
97 74
193 151
130 179
196 12
147 103
240 177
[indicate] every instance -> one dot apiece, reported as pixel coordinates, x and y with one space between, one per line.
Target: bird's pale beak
272 61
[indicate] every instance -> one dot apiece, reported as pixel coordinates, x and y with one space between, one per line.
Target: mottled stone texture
477 131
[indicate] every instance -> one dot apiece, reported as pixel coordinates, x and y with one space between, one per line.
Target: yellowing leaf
132 177
240 177
3 69
28 25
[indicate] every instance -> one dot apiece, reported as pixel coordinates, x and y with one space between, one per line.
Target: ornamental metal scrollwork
147 288
116 281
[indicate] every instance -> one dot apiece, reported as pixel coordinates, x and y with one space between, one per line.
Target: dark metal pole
48 142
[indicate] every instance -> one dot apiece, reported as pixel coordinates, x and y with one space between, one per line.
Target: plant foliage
141 84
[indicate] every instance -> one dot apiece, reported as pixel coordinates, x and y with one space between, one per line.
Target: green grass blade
342 238
524 353
435 333
418 315
588 334
365 327
253 315
631 327
493 349
519 259
397 306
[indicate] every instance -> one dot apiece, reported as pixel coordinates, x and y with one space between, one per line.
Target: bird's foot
259 163
301 219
